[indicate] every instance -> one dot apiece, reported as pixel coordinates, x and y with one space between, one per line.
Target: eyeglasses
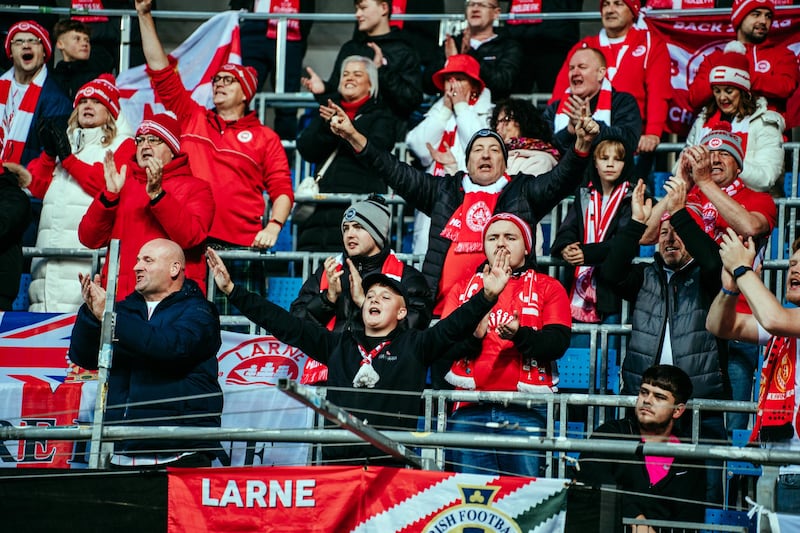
152 140
506 119
481 5
32 41
224 80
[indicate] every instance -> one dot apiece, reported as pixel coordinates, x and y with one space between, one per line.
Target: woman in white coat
464 108
67 176
760 129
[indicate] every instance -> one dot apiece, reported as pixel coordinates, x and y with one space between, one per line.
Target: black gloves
54 139
46 139
63 148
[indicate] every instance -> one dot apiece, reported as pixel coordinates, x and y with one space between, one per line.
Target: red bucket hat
459 64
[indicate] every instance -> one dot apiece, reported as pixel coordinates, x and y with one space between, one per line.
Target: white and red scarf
698 204
525 7
17 120
366 375
465 227
601 114
597 219
281 6
630 40
445 143
739 126
775 419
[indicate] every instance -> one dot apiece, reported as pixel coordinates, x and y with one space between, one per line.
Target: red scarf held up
777 394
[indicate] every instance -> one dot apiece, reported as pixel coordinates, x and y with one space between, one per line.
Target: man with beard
332 296
773 67
654 488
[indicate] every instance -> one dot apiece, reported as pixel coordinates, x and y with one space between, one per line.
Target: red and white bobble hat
732 67
104 90
165 127
524 228
741 8
720 138
246 76
30 26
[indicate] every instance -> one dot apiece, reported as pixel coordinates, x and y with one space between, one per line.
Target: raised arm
151 45
767 310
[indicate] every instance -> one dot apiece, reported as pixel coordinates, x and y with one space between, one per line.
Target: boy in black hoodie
382 354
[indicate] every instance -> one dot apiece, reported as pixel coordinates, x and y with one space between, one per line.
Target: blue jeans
787 494
511 420
742 362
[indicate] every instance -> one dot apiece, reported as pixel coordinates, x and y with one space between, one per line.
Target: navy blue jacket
164 370
53 105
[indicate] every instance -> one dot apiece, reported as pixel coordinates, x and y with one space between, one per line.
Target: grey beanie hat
374 216
722 139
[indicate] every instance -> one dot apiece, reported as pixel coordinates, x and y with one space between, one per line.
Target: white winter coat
54 282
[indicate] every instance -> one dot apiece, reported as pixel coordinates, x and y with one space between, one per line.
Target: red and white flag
691 38
40 387
361 500
199 57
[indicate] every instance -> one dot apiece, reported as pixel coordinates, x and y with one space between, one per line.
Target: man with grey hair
399 74
332 296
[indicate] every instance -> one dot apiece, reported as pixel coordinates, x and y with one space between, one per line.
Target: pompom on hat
459 64
731 68
720 138
104 90
742 8
165 127
246 76
33 27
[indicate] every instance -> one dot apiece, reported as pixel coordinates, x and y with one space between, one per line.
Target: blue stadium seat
659 179
573 371
284 241
722 517
22 302
575 430
283 291
740 476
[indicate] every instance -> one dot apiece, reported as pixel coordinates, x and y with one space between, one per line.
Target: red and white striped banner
691 38
374 499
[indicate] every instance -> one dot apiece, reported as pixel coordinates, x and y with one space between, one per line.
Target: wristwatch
740 271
